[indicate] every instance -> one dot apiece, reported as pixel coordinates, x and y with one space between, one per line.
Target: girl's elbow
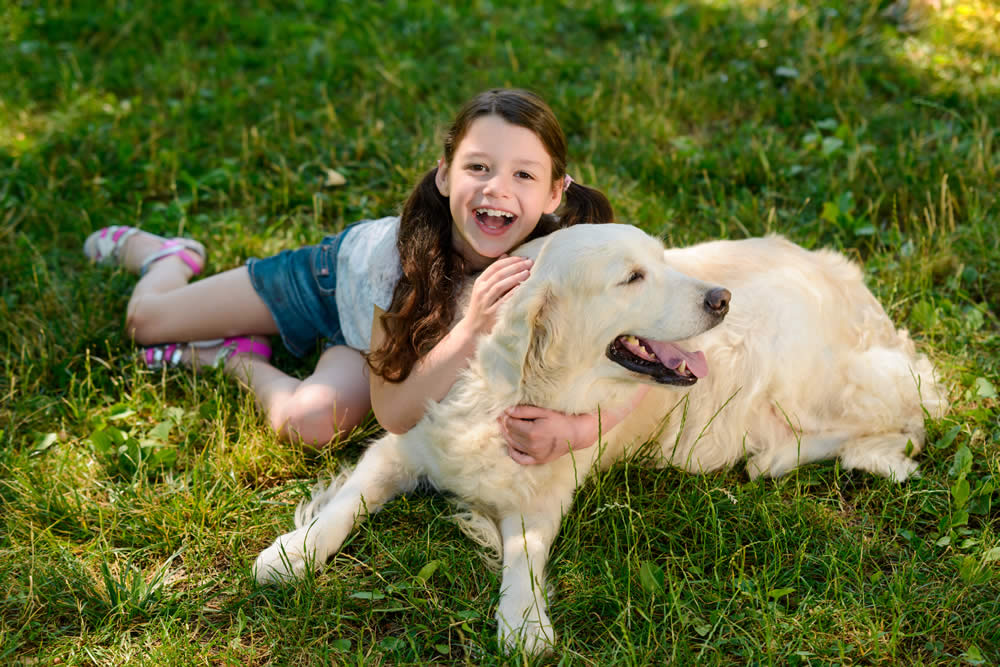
395 429
391 422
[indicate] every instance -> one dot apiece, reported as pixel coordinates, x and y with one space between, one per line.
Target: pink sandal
169 356
104 247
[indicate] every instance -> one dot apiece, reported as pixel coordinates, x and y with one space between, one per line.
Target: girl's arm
398 406
537 435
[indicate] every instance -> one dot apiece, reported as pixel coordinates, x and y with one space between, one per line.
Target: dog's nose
717 301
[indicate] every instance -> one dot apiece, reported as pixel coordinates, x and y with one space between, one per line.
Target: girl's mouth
493 220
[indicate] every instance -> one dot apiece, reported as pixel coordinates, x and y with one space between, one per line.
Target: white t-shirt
367 272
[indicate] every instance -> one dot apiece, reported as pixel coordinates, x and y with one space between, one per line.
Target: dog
805 365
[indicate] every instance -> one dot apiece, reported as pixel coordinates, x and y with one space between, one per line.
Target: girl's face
498 185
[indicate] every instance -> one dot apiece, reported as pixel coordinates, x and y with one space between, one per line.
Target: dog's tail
482 530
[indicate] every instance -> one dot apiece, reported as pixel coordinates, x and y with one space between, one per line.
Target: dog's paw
286 560
901 468
534 636
896 466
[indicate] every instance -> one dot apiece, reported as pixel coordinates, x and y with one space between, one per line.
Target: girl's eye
524 174
476 167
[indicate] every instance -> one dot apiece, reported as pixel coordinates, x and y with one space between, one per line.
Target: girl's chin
481 245
481 255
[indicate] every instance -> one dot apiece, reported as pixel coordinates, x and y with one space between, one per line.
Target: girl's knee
141 321
313 416
308 434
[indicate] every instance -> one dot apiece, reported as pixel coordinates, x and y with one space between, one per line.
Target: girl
388 286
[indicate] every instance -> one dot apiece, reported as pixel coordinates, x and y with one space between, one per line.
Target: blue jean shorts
299 287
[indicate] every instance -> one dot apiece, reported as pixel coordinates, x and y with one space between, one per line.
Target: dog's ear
513 351
521 333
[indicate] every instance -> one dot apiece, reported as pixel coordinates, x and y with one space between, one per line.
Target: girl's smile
494 221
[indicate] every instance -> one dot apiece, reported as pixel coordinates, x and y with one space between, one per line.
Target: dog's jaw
664 363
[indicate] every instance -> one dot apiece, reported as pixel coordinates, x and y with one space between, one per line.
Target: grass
135 502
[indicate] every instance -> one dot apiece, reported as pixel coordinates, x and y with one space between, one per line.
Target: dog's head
601 305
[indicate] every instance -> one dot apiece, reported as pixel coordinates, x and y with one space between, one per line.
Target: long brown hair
423 304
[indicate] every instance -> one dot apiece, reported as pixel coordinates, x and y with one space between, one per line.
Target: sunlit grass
957 46
824 122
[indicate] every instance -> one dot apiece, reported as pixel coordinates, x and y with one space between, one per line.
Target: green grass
134 502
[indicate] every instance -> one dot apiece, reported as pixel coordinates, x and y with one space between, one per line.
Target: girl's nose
495 185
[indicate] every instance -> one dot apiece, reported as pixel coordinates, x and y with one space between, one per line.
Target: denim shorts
299 287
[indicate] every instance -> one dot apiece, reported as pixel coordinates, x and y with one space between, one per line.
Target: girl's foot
225 352
136 250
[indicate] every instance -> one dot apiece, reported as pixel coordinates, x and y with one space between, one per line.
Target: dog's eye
634 277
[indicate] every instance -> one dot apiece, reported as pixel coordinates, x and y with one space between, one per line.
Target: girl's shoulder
369 232
368 243
368 269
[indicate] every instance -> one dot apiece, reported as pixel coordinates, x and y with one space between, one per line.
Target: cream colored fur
806 366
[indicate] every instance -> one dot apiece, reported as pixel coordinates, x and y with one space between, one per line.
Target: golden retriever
805 366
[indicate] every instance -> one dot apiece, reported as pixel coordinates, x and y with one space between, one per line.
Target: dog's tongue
671 356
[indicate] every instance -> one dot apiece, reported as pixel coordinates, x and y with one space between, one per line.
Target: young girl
389 286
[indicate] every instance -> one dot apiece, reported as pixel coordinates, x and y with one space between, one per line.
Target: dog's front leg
381 474
521 615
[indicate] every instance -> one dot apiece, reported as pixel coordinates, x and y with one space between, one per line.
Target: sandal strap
242 345
104 245
188 251
159 356
120 233
169 355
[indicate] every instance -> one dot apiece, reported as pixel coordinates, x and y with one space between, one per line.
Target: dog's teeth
683 367
632 340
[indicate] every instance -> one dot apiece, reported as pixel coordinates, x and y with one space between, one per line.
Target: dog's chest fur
459 448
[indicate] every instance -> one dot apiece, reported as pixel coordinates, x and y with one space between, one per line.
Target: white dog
806 366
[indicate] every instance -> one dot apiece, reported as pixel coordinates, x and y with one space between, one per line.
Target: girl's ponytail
582 204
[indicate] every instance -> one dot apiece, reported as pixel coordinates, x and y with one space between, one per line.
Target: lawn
134 502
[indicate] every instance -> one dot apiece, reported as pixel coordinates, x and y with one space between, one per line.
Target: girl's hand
491 289
536 435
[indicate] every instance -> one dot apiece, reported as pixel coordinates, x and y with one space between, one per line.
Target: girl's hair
423 304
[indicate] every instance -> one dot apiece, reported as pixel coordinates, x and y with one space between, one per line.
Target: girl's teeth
494 212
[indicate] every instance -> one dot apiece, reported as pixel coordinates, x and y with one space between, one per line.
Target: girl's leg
165 309
314 411
219 306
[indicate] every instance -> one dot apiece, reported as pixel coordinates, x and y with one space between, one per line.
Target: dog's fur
806 366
